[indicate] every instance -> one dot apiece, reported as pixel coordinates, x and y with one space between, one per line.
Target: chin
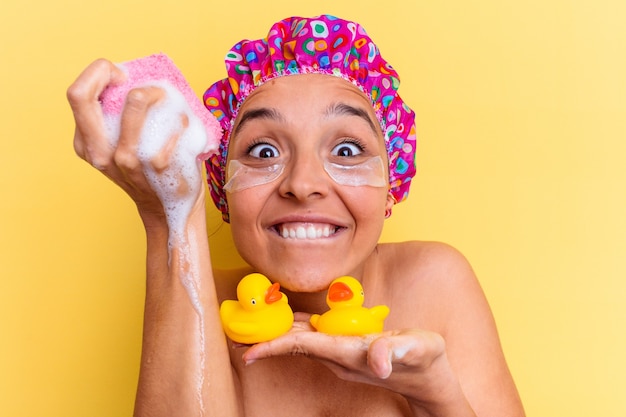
302 270
305 288
303 282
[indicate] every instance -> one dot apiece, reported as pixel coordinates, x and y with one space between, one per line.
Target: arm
185 366
184 350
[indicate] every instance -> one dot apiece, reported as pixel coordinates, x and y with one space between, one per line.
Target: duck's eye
253 302
362 294
347 149
263 150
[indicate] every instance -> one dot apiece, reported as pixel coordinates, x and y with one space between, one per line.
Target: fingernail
389 366
247 360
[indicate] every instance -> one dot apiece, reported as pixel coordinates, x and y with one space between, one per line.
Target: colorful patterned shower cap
322 45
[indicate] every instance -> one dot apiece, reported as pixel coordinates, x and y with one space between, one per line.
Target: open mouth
306 231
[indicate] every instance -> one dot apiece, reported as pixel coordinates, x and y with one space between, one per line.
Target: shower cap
323 45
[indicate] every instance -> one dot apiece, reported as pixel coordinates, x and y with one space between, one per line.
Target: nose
305 178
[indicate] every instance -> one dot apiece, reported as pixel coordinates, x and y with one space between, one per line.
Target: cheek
244 210
365 203
367 207
247 203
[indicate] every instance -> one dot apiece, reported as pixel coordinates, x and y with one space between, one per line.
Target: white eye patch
371 172
242 176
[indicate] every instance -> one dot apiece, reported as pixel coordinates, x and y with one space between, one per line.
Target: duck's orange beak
339 292
273 293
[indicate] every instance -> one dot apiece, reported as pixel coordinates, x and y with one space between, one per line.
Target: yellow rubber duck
347 316
260 313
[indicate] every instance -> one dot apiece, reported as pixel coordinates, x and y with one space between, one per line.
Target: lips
306 231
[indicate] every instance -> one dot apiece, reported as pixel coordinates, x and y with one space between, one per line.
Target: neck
312 303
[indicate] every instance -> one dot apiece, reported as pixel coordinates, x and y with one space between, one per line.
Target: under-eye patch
369 172
242 176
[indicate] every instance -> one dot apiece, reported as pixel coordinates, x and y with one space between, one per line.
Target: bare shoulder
422 256
432 286
431 282
426 264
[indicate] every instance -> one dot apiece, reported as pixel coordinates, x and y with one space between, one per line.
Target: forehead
307 92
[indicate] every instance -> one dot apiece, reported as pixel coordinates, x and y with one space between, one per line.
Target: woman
315 105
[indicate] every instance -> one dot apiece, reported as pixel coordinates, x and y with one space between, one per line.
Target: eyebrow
260 113
335 109
341 109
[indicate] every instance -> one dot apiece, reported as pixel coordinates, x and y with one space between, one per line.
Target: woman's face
302 228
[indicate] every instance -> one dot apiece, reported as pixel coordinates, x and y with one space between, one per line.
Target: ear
389 205
391 201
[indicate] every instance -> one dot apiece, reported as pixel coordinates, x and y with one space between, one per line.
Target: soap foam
179 117
164 124
150 71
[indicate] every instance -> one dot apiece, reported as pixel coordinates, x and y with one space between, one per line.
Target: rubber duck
260 313
347 316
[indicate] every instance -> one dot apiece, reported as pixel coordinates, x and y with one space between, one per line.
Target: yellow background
521 109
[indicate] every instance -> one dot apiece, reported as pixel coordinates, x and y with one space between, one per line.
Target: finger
348 352
289 344
413 349
139 101
88 87
303 325
300 316
83 96
380 357
161 160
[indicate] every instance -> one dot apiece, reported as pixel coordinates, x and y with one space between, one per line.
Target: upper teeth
306 231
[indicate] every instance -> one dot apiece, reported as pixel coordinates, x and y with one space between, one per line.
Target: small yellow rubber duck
260 313
347 316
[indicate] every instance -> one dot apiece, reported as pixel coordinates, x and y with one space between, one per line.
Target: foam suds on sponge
189 131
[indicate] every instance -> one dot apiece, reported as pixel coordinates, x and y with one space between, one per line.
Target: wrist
449 400
157 219
167 240
442 395
455 409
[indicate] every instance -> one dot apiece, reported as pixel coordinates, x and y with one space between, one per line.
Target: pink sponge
154 70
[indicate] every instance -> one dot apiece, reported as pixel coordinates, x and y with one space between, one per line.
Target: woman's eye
347 149
263 150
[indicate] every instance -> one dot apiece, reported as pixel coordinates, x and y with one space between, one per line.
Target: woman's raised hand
119 159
